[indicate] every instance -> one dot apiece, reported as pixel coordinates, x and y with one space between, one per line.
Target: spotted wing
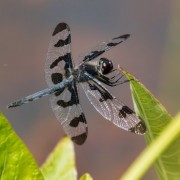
103 47
111 108
65 102
59 63
68 111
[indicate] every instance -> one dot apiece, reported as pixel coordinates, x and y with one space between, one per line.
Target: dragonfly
63 79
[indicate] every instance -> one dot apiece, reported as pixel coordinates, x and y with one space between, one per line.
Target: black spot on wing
60 27
74 97
121 38
104 94
127 110
139 128
62 43
66 58
93 55
82 129
93 87
124 37
75 122
113 44
80 139
122 114
56 78
65 104
124 111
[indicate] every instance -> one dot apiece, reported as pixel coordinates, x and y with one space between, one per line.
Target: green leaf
86 177
156 119
16 162
152 152
61 162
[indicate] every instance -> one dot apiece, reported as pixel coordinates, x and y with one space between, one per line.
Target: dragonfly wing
68 111
103 47
64 102
111 108
59 62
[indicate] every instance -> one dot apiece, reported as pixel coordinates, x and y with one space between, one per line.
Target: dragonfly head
105 66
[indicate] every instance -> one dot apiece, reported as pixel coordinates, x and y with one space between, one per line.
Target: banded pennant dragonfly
63 77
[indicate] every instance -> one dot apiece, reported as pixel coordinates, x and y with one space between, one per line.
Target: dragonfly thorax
95 68
78 74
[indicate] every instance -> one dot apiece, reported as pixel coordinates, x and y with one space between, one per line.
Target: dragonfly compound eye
105 66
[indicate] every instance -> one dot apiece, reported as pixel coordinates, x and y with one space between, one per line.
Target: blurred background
151 54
